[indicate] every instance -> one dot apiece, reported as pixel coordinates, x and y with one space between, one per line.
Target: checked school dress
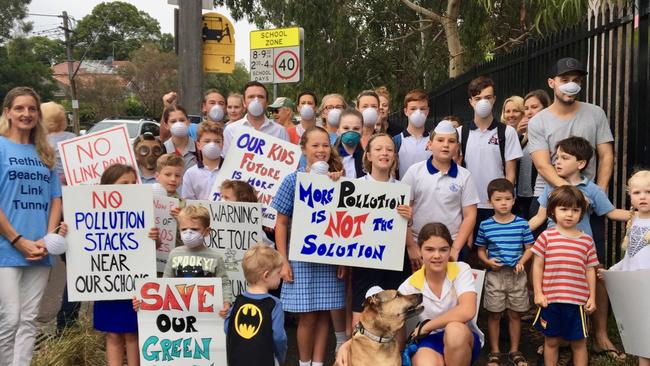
315 286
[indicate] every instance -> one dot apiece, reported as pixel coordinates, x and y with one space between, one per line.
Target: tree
12 14
228 83
19 66
49 51
114 29
104 95
150 74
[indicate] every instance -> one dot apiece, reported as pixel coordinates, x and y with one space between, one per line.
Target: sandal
494 358
517 359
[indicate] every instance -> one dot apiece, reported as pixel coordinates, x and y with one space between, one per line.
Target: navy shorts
436 342
568 321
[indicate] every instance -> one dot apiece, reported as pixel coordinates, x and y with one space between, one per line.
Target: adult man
211 98
282 110
255 100
566 117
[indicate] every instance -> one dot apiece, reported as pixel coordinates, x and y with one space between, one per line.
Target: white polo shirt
268 127
483 157
411 150
197 182
459 280
439 197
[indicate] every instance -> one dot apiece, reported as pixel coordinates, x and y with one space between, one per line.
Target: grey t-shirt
524 180
545 130
53 139
202 262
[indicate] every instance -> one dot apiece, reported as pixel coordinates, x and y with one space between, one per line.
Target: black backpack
501 135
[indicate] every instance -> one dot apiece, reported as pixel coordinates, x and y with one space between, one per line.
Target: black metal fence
613 43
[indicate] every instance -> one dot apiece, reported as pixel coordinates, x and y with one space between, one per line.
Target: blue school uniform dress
115 316
315 286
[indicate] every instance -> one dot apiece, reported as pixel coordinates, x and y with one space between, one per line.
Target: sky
158 9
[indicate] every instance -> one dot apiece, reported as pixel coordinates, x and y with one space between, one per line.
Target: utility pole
73 85
190 53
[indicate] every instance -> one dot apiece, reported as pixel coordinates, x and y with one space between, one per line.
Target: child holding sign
199 179
310 289
116 317
169 172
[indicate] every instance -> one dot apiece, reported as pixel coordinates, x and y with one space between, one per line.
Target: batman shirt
199 262
255 331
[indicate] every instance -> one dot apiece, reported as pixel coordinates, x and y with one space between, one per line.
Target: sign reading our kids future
108 243
178 322
262 161
348 222
86 157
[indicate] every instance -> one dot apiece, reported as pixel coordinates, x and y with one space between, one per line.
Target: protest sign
166 224
234 228
86 157
178 322
108 243
262 161
348 222
629 293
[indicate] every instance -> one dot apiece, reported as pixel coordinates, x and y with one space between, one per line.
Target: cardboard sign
261 160
86 157
179 323
108 243
348 222
629 292
167 227
234 228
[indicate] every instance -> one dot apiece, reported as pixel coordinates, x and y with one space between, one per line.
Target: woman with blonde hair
56 121
30 207
513 111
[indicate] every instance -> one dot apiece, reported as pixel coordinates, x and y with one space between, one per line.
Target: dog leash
379 339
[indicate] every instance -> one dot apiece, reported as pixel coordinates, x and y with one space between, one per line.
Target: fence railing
613 42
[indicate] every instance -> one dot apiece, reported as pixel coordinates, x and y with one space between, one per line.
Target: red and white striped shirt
565 266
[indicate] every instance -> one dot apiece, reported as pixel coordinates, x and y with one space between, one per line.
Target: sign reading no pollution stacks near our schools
108 243
218 36
262 161
178 322
234 228
86 157
348 222
276 55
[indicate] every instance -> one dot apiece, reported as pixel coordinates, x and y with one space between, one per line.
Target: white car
134 127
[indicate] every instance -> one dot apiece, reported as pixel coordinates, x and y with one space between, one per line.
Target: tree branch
414 31
425 12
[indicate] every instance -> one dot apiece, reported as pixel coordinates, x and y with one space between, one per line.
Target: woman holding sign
310 289
30 207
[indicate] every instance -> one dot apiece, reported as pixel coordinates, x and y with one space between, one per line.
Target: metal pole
275 93
73 85
190 54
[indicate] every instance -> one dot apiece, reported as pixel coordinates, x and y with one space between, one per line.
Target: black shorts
364 278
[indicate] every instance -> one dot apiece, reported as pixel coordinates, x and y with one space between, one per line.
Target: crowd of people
522 196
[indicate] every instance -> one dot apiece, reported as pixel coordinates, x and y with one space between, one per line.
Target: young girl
116 317
310 289
349 143
379 160
637 239
368 104
237 191
175 117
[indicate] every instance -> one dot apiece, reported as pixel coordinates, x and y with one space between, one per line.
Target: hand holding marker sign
276 55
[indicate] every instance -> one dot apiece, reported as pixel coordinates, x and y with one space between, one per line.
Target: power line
44 15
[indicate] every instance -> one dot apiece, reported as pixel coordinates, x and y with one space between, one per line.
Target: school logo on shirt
454 187
494 140
248 321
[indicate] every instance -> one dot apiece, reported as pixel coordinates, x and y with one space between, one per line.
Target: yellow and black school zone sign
248 321
218 35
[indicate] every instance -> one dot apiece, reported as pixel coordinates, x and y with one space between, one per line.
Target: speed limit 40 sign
276 55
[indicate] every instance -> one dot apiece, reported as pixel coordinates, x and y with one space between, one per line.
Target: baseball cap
282 102
567 65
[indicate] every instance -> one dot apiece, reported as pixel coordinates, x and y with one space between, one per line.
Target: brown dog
373 342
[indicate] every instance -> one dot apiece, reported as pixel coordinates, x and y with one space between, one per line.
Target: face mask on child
191 238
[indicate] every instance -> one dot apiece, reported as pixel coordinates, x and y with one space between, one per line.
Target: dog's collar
379 339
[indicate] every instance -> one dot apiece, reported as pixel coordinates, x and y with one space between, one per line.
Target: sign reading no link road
276 55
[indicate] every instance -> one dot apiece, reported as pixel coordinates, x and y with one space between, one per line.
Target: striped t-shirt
505 241
565 266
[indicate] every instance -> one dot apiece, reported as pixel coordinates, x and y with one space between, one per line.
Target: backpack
501 135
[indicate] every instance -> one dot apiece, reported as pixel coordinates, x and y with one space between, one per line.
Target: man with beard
147 151
566 117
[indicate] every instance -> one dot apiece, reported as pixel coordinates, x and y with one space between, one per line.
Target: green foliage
12 14
20 66
48 51
114 29
228 83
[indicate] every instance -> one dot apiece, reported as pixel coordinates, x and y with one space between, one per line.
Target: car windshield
132 128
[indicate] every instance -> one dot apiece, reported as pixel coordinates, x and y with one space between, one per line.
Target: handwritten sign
348 222
178 322
234 228
86 157
166 224
108 246
629 293
262 161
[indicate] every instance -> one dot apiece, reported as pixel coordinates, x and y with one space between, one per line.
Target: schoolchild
198 180
412 143
147 150
169 173
348 144
180 142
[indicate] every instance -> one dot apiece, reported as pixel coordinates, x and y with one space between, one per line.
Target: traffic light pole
73 85
190 53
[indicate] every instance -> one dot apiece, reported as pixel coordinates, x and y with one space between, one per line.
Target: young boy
198 180
411 144
501 240
147 150
169 171
246 345
573 155
442 192
564 277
